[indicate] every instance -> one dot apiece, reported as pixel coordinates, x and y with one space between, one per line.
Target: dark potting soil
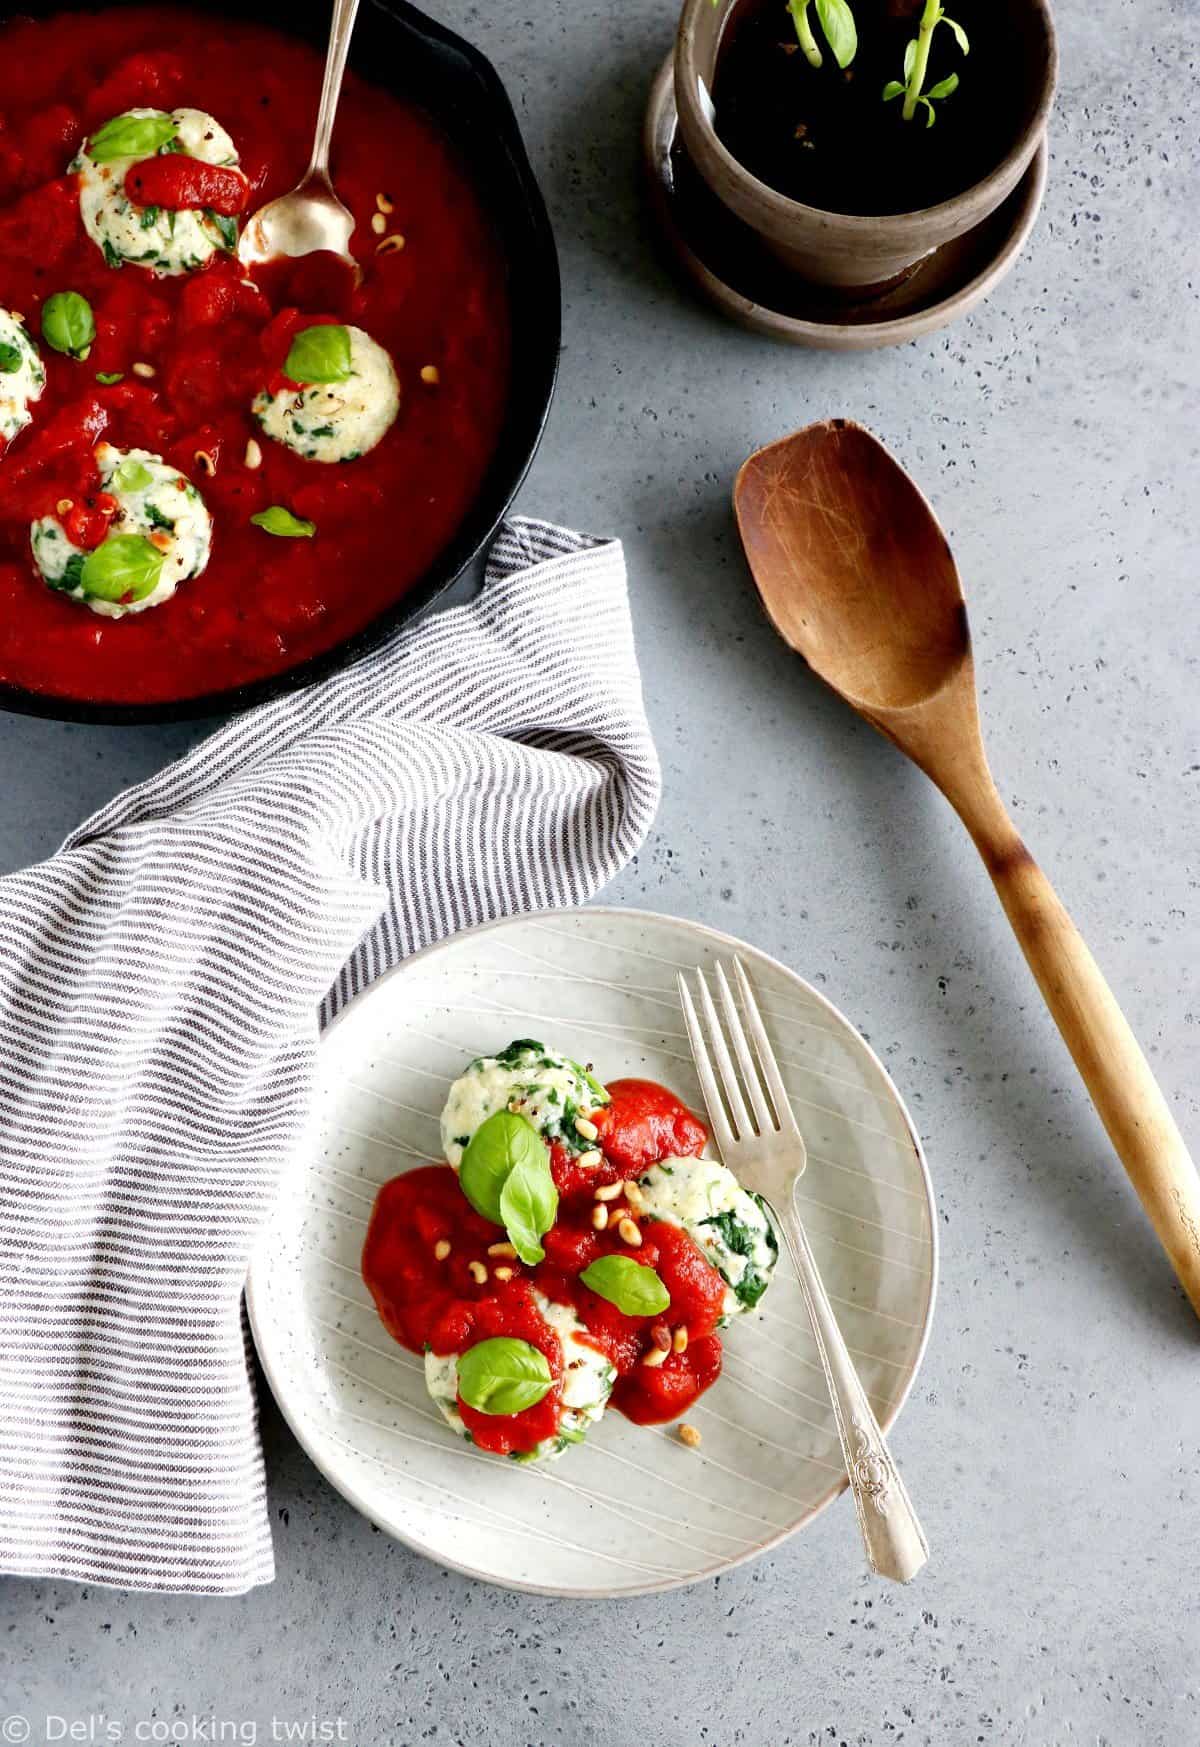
826 137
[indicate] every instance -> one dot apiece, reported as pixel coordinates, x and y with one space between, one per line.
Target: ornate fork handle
894 1540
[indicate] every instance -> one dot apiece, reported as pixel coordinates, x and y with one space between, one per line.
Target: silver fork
760 1141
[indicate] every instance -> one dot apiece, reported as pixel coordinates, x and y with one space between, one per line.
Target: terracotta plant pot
858 255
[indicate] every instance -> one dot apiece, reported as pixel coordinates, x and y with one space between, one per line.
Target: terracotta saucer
734 270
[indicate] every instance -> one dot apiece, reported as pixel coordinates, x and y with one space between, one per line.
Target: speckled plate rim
279 1388
828 336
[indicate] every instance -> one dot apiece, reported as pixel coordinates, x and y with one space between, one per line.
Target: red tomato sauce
424 1300
262 604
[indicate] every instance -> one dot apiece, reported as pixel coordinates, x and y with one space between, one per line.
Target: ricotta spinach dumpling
341 396
550 1090
22 377
587 1383
128 545
132 166
731 1226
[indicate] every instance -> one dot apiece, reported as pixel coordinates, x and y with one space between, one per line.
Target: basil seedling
320 354
125 567
505 1175
68 323
10 360
837 24
635 1289
283 523
131 136
916 65
503 1375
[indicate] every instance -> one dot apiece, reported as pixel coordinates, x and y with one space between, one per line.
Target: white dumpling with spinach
547 1088
587 1383
22 376
163 241
346 397
160 535
729 1224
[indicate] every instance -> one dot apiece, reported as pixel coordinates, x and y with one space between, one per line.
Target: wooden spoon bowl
857 576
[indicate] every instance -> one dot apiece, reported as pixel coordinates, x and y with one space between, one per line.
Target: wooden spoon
857 576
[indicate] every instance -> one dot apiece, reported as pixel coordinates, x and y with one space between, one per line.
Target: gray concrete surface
1052 1439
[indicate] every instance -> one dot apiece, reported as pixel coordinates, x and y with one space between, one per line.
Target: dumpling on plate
553 1092
731 1226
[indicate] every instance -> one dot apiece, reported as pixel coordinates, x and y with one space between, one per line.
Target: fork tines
742 1106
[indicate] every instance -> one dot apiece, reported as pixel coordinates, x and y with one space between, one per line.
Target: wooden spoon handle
1107 1054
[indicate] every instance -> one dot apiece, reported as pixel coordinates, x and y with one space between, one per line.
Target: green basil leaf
635 1289
125 566
68 324
130 136
495 1149
944 87
320 354
107 377
910 55
131 476
11 359
893 88
931 112
529 1204
959 34
503 1375
837 21
279 521
228 231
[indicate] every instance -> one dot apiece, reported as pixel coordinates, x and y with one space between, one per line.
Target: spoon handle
893 1537
1108 1056
341 28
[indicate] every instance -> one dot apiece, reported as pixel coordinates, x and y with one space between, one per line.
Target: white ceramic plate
632 1509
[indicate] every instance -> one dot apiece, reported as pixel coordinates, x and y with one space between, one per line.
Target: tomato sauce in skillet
429 1299
211 340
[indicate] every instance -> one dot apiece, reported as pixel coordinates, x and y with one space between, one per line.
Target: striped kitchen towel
161 983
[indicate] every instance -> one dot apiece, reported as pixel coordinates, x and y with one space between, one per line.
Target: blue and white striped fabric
161 982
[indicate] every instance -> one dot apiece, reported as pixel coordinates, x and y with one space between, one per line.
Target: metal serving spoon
311 217
857 576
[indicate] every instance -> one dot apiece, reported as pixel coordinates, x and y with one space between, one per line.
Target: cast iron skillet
404 51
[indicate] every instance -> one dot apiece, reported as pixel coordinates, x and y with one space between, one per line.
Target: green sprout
916 65
837 23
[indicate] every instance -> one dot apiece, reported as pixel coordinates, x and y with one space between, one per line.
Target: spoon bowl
857 576
311 219
853 569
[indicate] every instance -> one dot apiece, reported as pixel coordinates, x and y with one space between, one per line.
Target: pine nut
661 1336
144 370
385 203
253 455
503 1249
654 1358
503 1273
159 539
629 1233
679 1339
431 375
63 506
441 1249
478 1272
205 462
690 1436
634 1195
378 223
599 1216
589 1160
587 1129
609 1191
390 245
